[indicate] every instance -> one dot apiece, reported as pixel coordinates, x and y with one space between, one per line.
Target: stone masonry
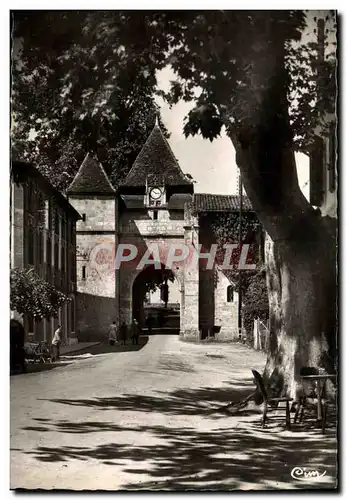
153 206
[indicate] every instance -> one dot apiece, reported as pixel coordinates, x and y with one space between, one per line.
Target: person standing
123 333
135 330
17 341
56 342
113 334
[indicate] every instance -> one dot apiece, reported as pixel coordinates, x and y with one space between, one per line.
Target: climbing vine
223 228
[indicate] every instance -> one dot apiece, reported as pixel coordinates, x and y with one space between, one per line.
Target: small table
321 380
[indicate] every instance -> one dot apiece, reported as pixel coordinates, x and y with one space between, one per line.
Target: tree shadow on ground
40 367
107 348
205 401
238 456
218 459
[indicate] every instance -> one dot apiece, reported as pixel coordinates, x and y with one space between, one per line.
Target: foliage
232 73
81 82
223 228
33 296
149 280
255 303
91 87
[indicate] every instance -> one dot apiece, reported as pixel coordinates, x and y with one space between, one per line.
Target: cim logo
307 474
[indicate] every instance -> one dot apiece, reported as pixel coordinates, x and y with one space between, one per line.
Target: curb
80 350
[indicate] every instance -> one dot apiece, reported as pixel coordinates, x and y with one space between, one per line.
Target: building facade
154 207
43 237
323 168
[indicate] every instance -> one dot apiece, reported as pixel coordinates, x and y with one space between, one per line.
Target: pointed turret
91 178
156 163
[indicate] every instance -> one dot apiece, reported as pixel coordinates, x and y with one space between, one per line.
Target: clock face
155 193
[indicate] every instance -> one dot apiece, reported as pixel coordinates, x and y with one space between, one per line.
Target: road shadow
39 367
240 455
204 401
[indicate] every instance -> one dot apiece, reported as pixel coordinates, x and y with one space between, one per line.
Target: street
141 419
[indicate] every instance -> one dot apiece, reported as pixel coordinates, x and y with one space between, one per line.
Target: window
155 215
72 264
83 217
40 246
63 229
316 172
46 214
83 272
72 231
49 251
56 223
331 161
56 254
63 259
31 244
230 294
30 324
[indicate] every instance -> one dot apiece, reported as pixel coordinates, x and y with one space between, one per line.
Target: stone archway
160 316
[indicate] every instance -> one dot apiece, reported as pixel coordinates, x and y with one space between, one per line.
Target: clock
155 193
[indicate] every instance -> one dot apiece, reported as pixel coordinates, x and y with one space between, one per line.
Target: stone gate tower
153 207
153 210
93 196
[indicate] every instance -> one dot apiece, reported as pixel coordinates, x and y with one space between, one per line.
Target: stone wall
99 213
143 222
226 313
190 318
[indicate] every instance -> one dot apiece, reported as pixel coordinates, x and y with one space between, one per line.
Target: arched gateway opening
156 300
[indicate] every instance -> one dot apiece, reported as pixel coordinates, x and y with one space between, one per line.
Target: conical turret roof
156 164
91 178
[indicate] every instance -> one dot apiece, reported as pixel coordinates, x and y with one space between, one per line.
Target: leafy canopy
82 82
85 81
31 295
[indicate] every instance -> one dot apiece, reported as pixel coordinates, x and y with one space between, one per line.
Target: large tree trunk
301 288
301 277
301 250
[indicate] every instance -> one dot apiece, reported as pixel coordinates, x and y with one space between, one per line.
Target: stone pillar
190 314
125 296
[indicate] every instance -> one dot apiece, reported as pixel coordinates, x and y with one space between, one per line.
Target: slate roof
156 162
178 200
91 178
22 170
205 202
133 201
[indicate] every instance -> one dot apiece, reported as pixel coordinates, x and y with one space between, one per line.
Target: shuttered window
332 161
316 172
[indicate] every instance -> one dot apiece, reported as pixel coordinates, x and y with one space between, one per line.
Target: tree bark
301 274
300 247
301 302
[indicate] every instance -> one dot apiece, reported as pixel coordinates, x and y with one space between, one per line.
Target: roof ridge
219 194
169 147
103 171
138 154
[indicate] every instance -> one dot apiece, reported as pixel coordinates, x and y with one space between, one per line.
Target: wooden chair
270 403
310 392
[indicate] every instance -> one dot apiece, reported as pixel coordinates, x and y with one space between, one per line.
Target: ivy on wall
223 228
